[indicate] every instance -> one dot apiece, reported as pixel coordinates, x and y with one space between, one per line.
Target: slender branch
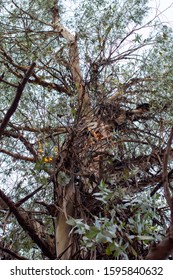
8 83
48 129
43 83
16 100
37 80
13 254
159 185
21 201
25 141
17 156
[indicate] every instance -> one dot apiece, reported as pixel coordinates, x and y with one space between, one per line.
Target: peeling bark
74 66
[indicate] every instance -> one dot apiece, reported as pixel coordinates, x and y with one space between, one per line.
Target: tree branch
30 227
17 156
16 100
13 254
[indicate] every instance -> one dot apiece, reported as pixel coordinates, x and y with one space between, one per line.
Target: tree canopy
86 128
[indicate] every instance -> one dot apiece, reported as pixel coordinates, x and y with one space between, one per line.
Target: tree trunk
64 242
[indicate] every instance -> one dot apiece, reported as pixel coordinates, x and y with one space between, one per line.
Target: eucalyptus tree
85 120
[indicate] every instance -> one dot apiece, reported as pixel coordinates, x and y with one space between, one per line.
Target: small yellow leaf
40 151
47 159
